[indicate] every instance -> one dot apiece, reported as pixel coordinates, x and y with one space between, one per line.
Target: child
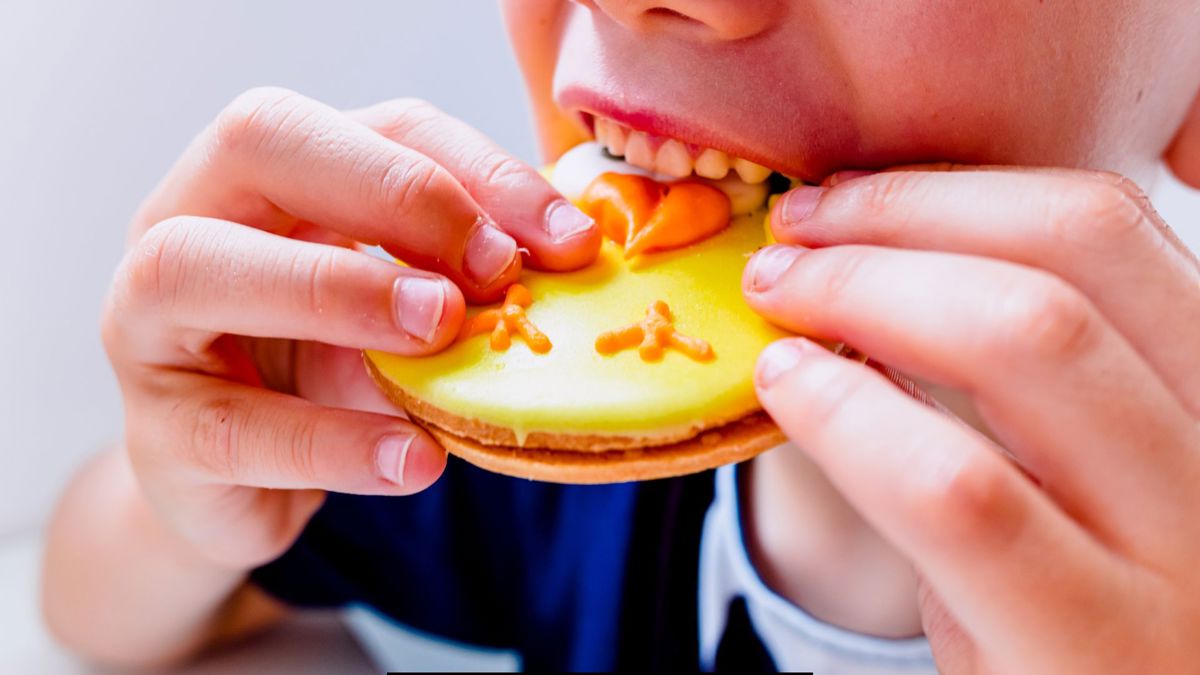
261 469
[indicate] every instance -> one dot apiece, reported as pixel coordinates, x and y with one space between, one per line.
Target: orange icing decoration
644 215
503 321
652 335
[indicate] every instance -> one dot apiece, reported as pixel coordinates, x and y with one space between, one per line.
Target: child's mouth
669 156
621 148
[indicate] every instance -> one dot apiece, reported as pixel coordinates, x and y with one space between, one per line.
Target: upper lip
578 100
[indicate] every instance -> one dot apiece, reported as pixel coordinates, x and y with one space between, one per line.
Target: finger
191 279
315 234
274 158
230 434
557 235
1061 389
1095 230
942 494
335 377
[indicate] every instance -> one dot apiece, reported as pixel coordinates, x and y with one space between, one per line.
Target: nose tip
724 20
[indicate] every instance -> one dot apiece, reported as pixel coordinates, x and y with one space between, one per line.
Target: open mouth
668 156
620 148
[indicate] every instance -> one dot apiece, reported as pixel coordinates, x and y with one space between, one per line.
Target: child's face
811 86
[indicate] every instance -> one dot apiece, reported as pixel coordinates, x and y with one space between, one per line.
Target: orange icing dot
652 335
505 320
644 215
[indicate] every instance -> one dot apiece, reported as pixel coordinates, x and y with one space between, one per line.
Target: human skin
1010 266
235 324
1006 254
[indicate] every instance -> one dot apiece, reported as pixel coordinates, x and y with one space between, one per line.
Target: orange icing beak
644 215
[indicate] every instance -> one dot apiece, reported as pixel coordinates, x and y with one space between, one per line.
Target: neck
810 546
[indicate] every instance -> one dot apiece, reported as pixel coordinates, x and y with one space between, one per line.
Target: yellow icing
770 237
572 389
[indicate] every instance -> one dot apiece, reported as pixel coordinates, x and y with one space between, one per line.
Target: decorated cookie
638 366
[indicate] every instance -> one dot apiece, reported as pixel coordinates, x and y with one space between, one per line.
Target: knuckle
501 171
398 118
1121 183
313 272
218 429
255 117
298 449
152 271
412 106
885 194
836 272
829 390
407 182
1106 210
958 498
1047 319
408 110
318 282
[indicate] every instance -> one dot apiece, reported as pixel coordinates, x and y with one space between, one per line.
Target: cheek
532 32
535 28
992 82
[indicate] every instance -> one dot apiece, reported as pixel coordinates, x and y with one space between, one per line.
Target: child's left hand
1070 314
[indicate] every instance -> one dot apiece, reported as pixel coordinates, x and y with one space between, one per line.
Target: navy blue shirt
571 577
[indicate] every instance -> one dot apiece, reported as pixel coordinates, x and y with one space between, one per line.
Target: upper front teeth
579 166
638 151
615 138
749 171
673 159
670 157
712 164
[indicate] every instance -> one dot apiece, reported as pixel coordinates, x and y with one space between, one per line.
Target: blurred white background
96 101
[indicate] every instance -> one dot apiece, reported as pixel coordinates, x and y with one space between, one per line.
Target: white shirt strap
795 639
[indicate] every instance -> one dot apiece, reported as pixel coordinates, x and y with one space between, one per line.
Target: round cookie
576 459
548 400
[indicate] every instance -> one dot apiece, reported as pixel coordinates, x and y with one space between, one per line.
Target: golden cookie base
734 442
578 459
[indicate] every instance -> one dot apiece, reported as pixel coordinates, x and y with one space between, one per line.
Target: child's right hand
235 319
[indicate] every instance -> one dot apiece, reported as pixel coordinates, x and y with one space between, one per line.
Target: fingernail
778 358
488 254
419 303
564 221
391 455
769 264
799 203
